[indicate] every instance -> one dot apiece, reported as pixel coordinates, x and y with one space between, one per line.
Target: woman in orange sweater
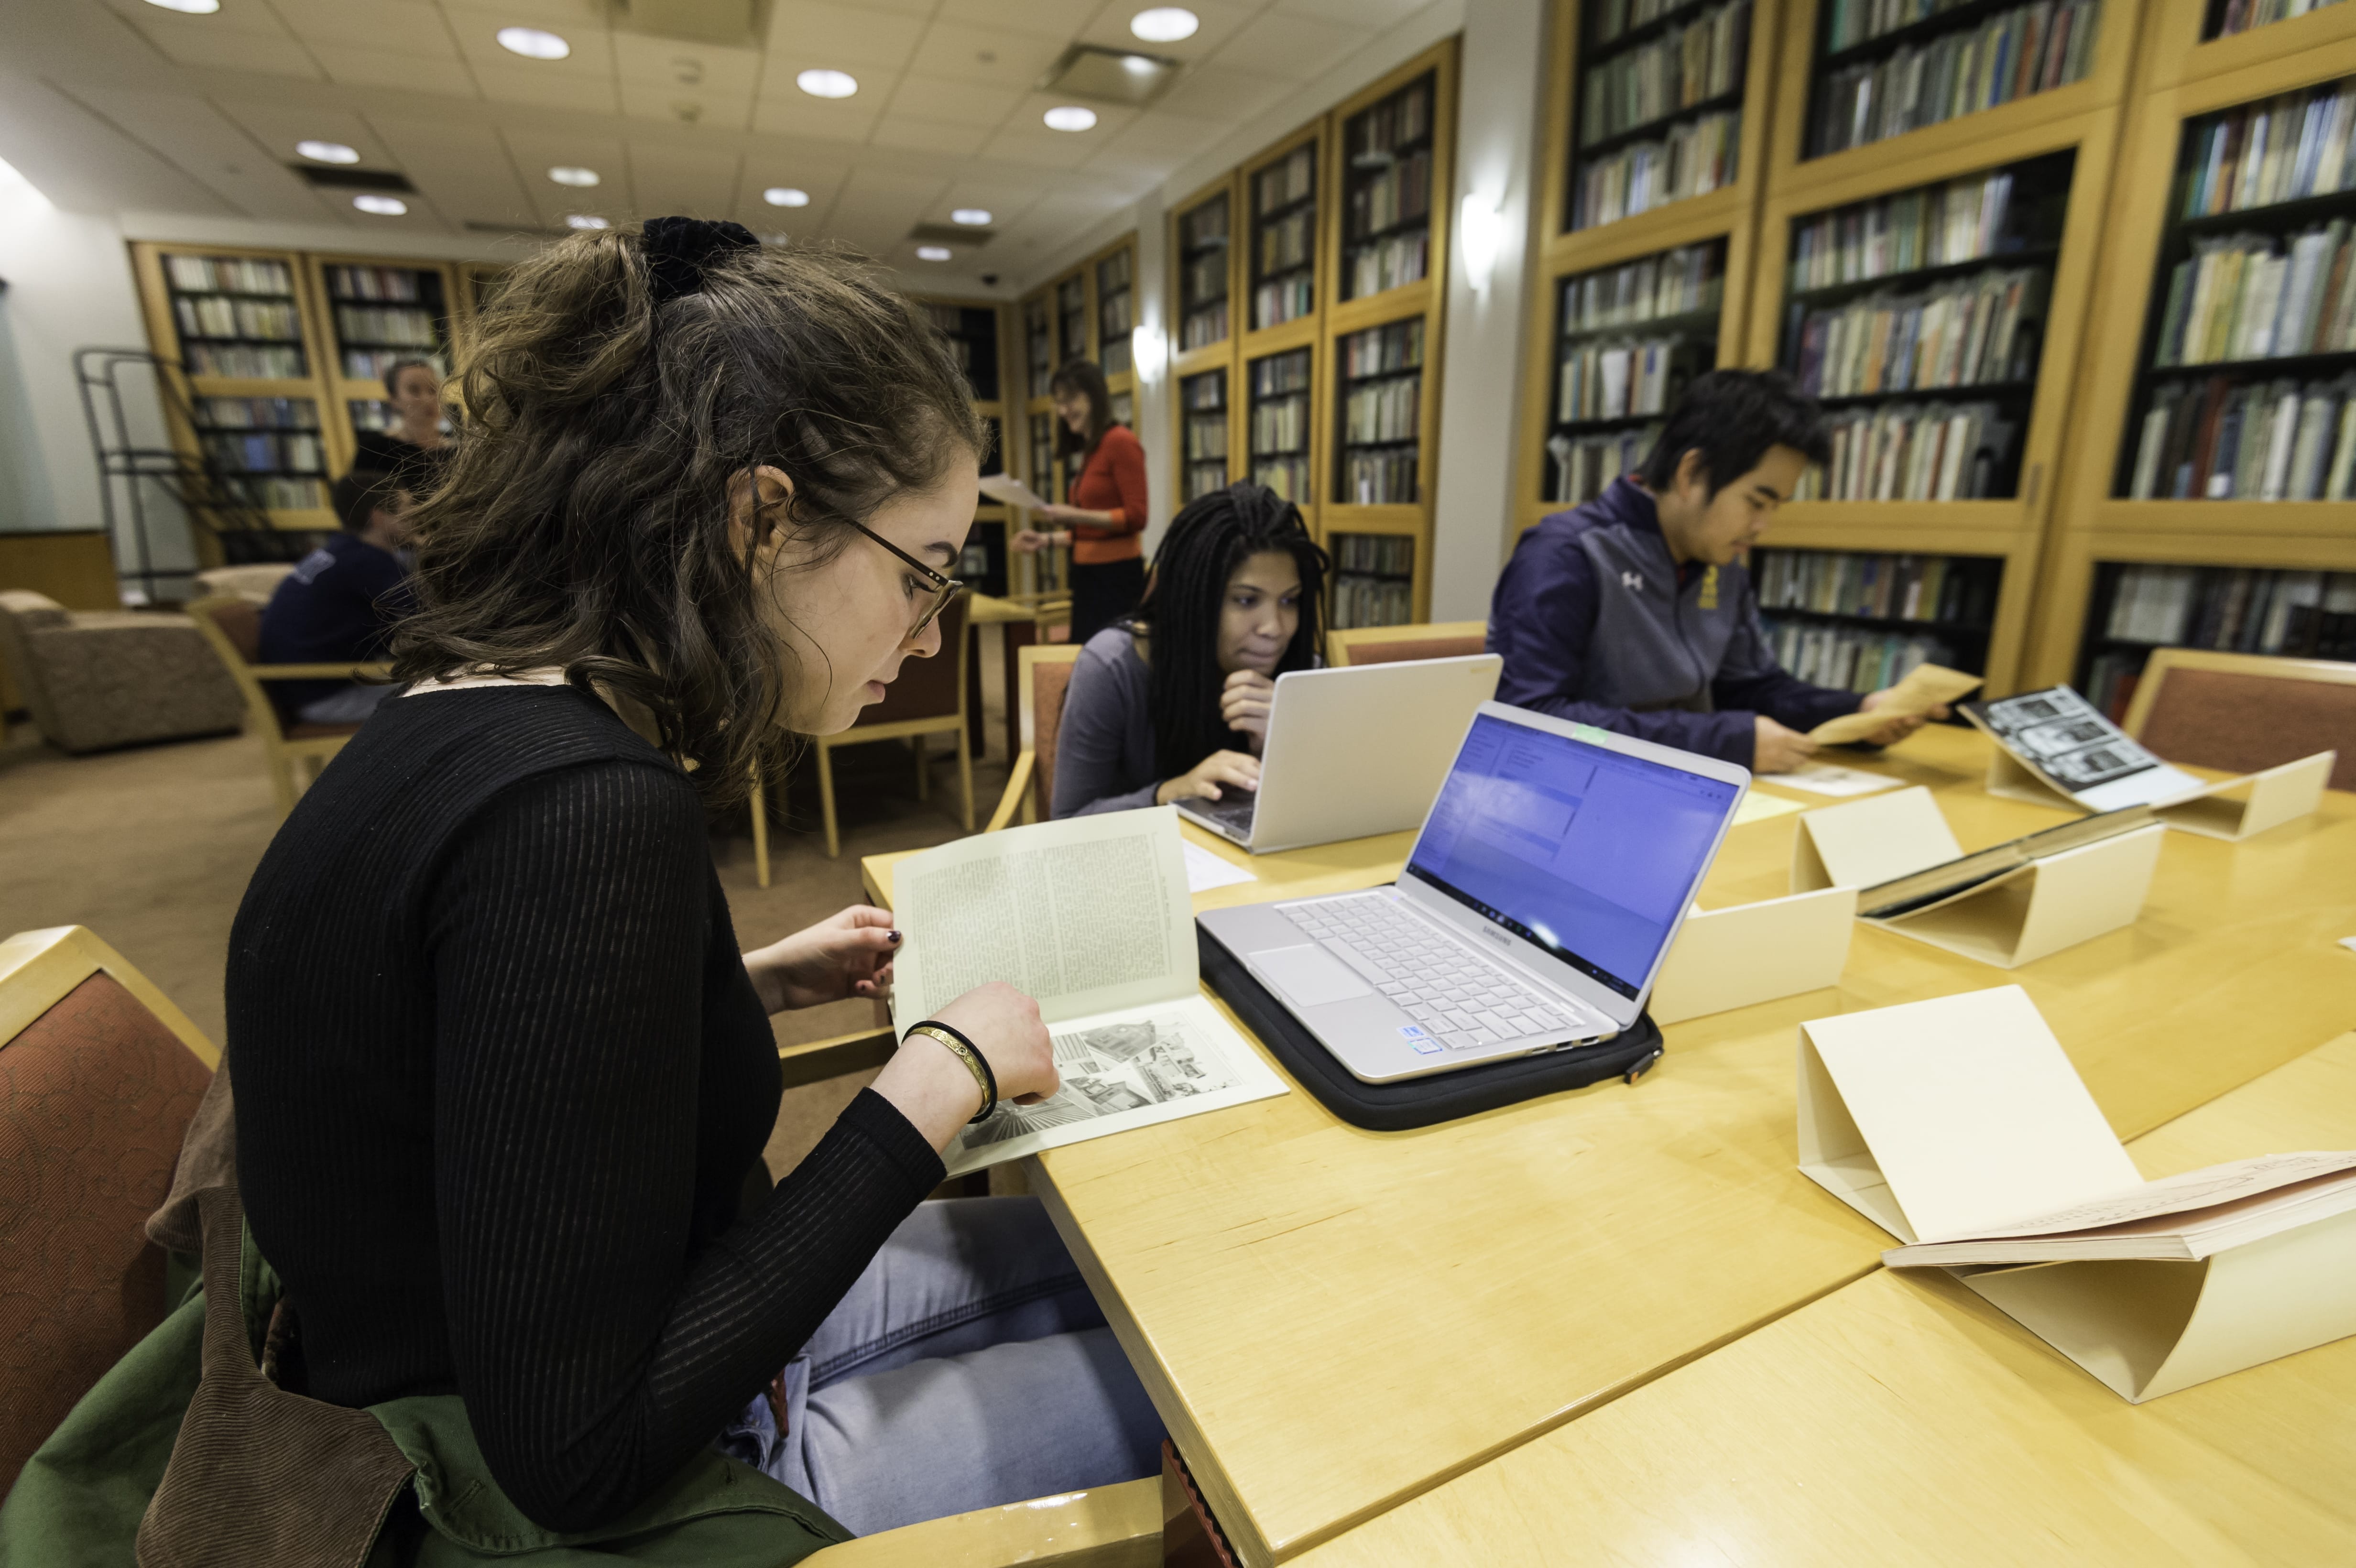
1106 517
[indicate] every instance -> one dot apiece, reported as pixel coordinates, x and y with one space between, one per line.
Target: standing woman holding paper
1105 522
504 1079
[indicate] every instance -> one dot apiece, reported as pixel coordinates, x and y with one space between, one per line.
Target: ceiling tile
803 35
925 136
551 14
686 66
1222 93
1377 13
477 34
1057 19
796 113
1298 47
1220 22
1038 146
540 89
994 56
872 179
468 173
694 106
234 17
701 184
1031 113
954 103
215 151
232 51
278 126
403 26
533 152
374 68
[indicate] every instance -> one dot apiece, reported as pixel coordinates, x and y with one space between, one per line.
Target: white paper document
1012 491
1091 918
1827 780
1205 870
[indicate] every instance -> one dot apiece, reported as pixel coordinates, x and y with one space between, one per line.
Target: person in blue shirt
340 602
1635 612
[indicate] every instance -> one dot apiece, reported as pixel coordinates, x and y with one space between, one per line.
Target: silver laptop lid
1575 852
1362 748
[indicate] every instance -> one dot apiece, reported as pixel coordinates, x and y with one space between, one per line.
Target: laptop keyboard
1459 1001
1234 809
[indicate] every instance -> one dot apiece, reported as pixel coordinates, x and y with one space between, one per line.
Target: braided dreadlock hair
1206 542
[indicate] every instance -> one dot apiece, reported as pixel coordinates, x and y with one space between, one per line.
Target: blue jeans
969 1367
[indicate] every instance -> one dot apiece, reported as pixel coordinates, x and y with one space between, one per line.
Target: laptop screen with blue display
1588 853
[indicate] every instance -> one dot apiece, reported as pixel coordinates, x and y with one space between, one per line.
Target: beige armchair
96 679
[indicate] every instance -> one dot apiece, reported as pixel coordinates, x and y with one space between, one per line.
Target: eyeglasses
944 588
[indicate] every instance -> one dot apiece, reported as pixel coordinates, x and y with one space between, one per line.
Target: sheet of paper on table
1824 779
1205 870
1925 687
1757 807
1012 491
1091 918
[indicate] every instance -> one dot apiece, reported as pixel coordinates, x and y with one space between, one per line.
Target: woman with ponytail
1171 704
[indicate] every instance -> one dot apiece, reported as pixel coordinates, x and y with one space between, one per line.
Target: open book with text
1090 917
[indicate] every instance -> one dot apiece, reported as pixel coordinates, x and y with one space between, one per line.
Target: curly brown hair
584 521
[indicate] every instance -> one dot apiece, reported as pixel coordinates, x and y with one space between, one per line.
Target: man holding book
1634 612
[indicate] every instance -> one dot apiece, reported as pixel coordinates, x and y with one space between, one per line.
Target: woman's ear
756 502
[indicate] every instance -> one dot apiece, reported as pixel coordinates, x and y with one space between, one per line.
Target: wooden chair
99 1075
233 626
1389 645
1045 673
928 699
2242 712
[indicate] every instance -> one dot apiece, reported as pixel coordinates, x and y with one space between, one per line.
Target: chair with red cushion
2243 712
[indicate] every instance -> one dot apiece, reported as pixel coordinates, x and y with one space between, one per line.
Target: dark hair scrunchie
679 248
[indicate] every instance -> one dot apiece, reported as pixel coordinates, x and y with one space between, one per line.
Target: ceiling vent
1110 76
331 178
950 234
703 21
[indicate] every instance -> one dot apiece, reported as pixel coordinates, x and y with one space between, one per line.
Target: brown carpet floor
151 848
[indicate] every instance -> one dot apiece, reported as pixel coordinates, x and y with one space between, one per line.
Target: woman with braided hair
1171 704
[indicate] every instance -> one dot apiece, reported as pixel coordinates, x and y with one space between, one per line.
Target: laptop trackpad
1308 977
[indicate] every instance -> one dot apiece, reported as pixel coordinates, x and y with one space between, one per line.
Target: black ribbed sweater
500 1080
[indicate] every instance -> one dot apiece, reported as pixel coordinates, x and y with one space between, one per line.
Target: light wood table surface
1331 1321
1903 1420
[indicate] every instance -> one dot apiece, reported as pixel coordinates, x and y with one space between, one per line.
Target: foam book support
1945 1120
2031 910
1728 958
2231 809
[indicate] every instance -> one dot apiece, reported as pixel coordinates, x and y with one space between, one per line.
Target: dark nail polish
895 936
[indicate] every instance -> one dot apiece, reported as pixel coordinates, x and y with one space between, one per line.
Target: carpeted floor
151 848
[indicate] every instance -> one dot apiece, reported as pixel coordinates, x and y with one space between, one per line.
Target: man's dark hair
363 492
1731 418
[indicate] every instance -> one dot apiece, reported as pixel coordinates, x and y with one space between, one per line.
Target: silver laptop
1542 894
1351 751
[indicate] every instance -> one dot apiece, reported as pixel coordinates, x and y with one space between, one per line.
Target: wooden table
1331 1321
1903 1420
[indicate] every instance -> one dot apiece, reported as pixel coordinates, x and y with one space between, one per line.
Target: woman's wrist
927 1084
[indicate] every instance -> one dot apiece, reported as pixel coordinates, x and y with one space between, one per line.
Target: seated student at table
1635 614
1172 703
339 604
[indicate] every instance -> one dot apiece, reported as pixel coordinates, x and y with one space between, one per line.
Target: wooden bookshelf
1284 265
981 330
374 311
477 283
1069 317
2183 41
1206 295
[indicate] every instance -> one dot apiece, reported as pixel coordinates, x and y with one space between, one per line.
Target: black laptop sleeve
1417 1102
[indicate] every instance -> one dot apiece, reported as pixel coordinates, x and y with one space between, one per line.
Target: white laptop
1546 885
1351 751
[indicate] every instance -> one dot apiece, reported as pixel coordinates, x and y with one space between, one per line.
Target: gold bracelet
964 1050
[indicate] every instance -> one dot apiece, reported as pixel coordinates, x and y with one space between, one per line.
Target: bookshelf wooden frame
1967 135
1014 442
345 390
1269 345
2307 535
2174 52
1440 63
164 337
1254 342
1185 364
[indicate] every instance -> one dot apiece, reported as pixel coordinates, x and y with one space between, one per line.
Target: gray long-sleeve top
1104 748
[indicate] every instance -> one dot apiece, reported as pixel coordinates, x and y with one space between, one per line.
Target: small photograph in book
2059 735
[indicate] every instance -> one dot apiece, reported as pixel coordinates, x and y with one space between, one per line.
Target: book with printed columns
1090 917
1960 1126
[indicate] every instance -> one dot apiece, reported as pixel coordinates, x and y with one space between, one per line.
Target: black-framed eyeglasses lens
946 588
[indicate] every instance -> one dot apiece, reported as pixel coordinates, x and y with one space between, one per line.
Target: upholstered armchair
113 678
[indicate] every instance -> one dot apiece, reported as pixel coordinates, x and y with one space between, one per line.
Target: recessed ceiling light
327 152
932 252
974 216
784 195
1164 24
568 174
584 221
382 206
1071 117
827 83
190 7
533 43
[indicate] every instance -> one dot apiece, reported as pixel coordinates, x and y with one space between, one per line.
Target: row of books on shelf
1374 555
2030 49
1205 479
1383 350
2247 610
1288 179
265 451
370 363
248 361
1683 282
1614 17
1852 22
1585 466
405 328
2258 440
1399 120
2240 16
1372 601
256 414
1963 333
1398 193
1931 588
1681 68
1280 374
1934 226
1380 478
1281 425
1208 390
1206 438
1284 243
1931 452
1608 380
1382 411
1115 318
1202 279
229 274
1285 473
2241 296
2284 148
1113 273
1390 262
1204 226
280 494
1851 658
949 318
1692 159
398 285
219 316
1204 326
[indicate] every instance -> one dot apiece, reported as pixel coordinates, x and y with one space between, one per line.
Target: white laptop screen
1586 852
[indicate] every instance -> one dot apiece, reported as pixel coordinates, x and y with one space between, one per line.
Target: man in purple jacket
1633 612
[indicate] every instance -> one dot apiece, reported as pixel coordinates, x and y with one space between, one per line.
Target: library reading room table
1333 1322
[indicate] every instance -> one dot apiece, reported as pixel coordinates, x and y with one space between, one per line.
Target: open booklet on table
1089 917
